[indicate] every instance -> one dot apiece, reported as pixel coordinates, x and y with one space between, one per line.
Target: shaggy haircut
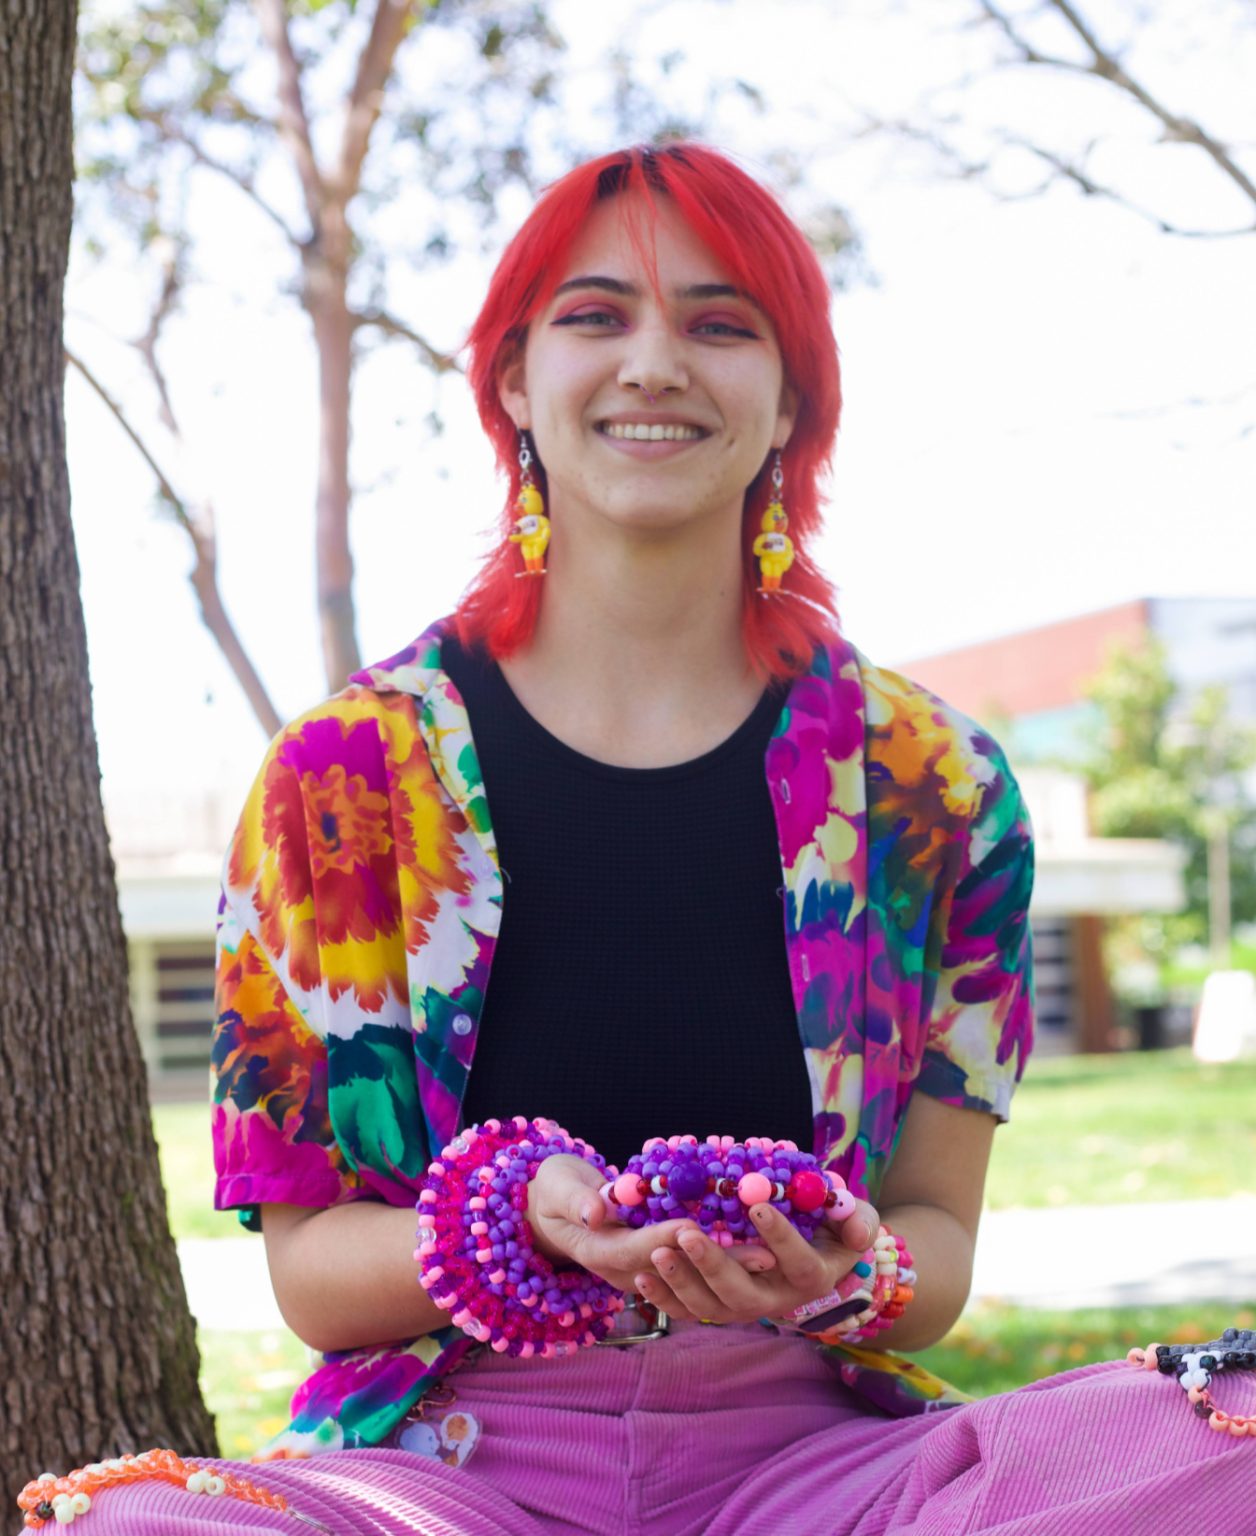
752 237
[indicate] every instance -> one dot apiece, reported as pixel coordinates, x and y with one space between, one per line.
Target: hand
570 1224
699 1280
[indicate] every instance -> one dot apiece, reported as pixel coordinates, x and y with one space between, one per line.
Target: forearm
346 1277
942 1251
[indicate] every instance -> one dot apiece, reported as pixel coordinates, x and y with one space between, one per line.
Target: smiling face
650 410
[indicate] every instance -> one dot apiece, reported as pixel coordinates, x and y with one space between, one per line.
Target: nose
652 362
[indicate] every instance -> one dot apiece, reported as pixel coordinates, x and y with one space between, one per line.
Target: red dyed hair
753 238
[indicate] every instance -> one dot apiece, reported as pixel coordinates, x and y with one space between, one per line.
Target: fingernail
866 1240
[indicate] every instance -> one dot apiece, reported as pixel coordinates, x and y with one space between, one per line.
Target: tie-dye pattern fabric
362 899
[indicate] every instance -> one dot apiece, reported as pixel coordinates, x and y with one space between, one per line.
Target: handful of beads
715 1183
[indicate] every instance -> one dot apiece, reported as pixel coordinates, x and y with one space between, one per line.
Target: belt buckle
657 1323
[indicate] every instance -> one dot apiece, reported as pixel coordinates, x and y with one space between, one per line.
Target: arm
345 1276
932 1197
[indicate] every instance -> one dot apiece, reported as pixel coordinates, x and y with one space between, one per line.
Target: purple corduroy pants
734 1431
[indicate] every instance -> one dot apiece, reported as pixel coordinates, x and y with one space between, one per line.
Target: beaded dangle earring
532 527
773 546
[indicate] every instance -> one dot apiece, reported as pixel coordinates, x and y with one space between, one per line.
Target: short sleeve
272 1133
981 1016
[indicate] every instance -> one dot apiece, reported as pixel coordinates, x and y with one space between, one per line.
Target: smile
651 432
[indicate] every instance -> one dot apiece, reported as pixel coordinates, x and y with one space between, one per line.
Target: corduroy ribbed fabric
739 1431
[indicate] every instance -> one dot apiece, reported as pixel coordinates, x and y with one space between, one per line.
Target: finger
661 1295
754 1258
680 1273
858 1232
800 1263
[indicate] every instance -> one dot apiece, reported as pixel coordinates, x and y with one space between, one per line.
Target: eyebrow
631 291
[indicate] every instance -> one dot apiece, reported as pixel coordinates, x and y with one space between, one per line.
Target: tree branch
294 124
439 362
388 27
173 133
1105 66
204 573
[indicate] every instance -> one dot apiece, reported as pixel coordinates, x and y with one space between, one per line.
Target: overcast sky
1048 403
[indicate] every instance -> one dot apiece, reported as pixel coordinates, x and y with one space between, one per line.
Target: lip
652 419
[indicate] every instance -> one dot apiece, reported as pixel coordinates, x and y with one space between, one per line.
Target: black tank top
640 985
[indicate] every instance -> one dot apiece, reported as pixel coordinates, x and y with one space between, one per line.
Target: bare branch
388 27
242 181
173 133
294 124
440 362
146 345
204 573
1106 66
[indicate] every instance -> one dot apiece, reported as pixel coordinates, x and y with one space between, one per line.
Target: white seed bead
196 1482
46 1477
64 1514
80 1503
116 1464
215 1485
60 1499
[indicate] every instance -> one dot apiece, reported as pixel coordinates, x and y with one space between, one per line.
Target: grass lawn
1143 1125
1085 1130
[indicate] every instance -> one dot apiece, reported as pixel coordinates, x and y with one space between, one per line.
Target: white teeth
646 432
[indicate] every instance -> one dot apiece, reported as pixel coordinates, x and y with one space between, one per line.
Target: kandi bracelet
715 1182
476 1255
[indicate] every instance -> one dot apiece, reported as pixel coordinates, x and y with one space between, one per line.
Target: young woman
726 877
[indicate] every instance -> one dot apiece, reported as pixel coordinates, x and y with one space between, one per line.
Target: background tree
99 1351
1162 765
337 123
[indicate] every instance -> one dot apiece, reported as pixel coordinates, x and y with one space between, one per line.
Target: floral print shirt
361 903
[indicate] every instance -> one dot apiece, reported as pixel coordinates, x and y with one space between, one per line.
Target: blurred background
1039 220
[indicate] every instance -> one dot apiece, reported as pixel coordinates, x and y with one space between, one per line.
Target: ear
512 384
786 415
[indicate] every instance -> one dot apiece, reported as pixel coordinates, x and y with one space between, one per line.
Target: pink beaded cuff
475 1245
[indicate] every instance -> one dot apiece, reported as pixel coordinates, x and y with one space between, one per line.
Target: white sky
1048 404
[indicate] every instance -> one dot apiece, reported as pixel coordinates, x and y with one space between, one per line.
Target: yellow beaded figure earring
532 527
773 546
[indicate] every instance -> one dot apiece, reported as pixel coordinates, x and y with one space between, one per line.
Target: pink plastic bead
845 1205
807 1190
626 1190
754 1189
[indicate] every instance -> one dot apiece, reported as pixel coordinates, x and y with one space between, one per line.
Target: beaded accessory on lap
1194 1364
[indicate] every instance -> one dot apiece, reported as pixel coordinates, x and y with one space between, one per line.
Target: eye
724 326
600 317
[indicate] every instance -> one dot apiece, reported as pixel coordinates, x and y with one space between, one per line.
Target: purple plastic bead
687 1181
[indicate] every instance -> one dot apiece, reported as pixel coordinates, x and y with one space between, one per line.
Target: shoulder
917 742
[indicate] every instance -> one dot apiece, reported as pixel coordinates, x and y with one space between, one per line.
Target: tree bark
98 1353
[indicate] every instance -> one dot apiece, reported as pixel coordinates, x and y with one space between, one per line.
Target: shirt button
462 1024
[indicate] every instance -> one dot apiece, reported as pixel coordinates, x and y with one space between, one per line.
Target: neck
637 656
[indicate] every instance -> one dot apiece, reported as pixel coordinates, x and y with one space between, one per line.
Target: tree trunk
98 1351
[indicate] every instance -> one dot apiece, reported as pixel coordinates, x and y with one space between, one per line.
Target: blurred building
1029 688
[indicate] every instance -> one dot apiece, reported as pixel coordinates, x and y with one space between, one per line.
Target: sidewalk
1085 1256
